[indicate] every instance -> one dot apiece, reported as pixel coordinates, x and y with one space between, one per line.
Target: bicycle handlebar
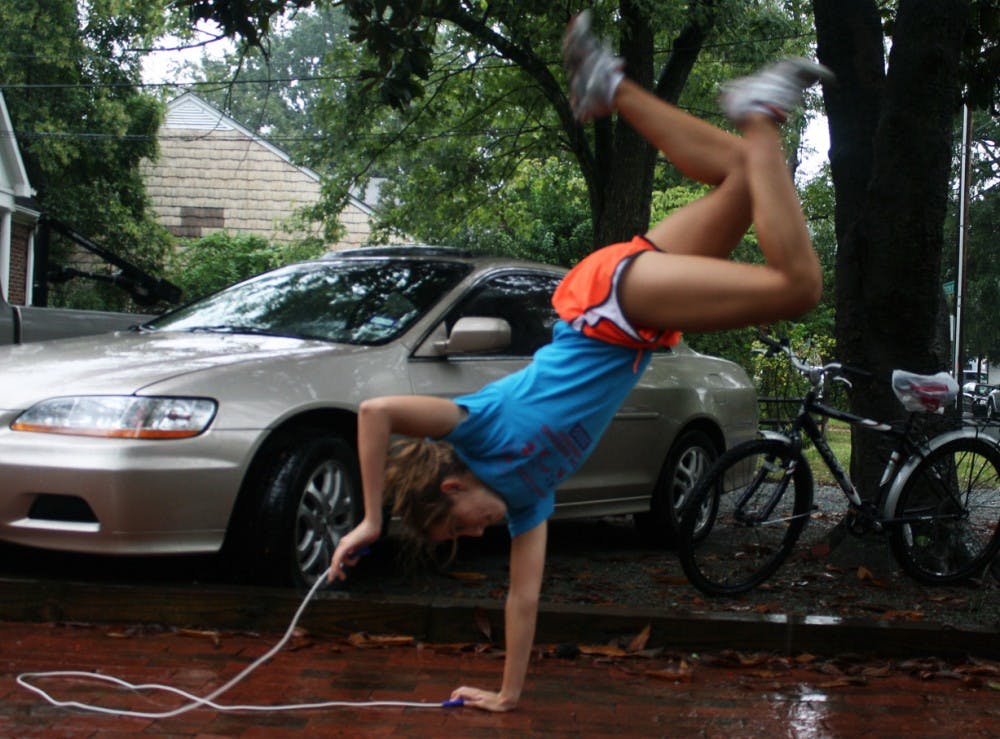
813 372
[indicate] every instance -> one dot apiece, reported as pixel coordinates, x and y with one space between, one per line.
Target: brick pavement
718 694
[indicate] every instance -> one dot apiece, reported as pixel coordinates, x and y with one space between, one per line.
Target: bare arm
527 565
378 420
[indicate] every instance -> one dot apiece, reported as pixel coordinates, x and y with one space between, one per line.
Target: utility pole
963 234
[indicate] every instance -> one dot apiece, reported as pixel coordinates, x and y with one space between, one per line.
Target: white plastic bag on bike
927 393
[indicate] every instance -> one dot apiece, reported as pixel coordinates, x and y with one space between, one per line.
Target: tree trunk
621 190
890 153
619 175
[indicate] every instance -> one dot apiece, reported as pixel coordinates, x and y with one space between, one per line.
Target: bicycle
938 498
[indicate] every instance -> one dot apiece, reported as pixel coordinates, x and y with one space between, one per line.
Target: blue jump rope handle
359 553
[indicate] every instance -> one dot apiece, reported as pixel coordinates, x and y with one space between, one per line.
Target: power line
154 85
313 78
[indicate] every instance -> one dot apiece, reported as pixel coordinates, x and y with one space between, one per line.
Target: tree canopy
479 93
70 72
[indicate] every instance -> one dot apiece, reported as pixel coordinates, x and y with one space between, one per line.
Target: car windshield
345 301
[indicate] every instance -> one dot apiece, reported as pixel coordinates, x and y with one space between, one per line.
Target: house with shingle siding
18 216
214 174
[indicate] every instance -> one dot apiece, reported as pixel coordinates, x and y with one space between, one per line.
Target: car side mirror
474 335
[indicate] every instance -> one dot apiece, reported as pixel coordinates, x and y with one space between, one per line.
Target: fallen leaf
455 647
763 674
365 640
902 615
682 673
921 665
843 682
468 577
638 642
213 636
865 575
884 671
979 669
751 660
992 685
482 619
603 650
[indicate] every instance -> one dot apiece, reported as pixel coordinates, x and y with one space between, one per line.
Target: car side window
522 299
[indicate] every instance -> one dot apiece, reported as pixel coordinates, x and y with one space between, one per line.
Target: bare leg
690 288
690 284
700 151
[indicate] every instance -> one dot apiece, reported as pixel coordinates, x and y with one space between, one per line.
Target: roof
13 176
190 112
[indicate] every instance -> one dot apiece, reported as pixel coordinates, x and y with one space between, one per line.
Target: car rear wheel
689 459
309 496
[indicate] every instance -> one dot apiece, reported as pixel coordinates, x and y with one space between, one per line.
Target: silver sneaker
594 72
775 90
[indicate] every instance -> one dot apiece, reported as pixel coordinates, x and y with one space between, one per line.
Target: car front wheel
309 497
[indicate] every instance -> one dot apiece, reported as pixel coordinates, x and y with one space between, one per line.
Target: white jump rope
208 701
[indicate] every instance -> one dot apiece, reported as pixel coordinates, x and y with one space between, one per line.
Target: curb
449 620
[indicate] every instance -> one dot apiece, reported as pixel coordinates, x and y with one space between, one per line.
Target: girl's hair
413 475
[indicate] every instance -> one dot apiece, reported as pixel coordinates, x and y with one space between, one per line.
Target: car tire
689 458
308 497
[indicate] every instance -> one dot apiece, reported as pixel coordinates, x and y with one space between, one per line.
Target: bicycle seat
924 393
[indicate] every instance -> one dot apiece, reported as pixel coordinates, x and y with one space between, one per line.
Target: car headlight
119 417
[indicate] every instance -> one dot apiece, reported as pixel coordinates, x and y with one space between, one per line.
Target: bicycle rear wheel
761 495
946 522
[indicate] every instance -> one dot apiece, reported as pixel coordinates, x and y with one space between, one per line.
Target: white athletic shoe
594 72
775 90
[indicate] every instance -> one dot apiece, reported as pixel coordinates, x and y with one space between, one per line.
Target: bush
211 263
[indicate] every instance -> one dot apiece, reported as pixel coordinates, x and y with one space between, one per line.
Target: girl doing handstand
500 453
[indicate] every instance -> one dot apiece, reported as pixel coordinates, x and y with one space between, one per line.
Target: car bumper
111 496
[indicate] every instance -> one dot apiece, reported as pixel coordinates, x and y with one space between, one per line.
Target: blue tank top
527 432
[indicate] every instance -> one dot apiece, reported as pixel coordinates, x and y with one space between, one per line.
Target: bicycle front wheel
760 493
946 522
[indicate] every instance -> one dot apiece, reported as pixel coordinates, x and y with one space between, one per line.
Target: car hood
127 362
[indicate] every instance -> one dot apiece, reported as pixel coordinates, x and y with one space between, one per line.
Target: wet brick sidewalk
721 694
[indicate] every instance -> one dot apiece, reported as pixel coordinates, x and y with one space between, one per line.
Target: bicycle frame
907 452
904 447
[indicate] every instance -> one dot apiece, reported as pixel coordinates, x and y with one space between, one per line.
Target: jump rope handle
359 553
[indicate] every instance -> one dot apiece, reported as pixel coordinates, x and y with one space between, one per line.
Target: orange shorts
587 298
